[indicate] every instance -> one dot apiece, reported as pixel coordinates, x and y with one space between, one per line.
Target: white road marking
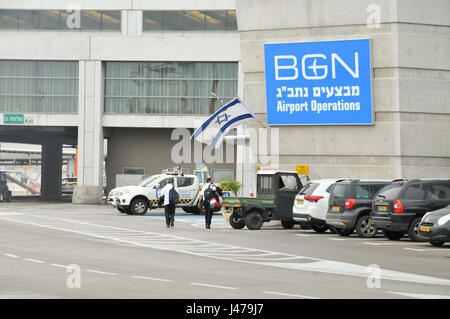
375 244
418 296
60 266
288 295
101 272
379 244
11 255
212 286
426 249
150 278
34 260
342 268
213 250
303 235
338 239
415 249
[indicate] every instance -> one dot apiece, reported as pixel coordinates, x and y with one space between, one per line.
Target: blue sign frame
319 83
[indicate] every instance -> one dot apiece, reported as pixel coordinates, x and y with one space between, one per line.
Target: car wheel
287 224
254 220
320 228
138 206
237 221
365 227
437 243
413 229
124 210
392 235
344 232
332 229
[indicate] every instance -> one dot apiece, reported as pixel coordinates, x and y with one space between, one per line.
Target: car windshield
390 191
309 189
148 181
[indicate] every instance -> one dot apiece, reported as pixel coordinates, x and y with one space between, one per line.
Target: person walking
209 191
169 207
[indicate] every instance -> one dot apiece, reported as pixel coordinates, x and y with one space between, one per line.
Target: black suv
350 205
399 206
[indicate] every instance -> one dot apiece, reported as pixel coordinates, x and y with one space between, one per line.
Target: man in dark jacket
209 191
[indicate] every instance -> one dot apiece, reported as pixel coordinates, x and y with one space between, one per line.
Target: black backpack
174 197
209 193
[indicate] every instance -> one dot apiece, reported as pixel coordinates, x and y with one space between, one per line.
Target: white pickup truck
136 200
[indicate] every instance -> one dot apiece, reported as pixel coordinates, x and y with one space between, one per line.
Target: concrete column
51 170
245 170
90 134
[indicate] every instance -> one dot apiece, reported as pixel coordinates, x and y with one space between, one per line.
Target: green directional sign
13 119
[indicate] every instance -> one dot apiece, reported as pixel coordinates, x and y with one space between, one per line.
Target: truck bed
241 201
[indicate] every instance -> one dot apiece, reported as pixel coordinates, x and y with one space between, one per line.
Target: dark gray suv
350 205
400 206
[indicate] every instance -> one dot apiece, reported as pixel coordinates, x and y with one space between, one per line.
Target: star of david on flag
214 129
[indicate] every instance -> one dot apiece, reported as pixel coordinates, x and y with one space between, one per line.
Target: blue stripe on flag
223 128
208 121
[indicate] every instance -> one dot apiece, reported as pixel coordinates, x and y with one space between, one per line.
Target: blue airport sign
319 83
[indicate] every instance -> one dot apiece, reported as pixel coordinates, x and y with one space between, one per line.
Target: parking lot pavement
122 256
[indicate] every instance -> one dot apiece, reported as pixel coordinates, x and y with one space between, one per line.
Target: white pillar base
87 195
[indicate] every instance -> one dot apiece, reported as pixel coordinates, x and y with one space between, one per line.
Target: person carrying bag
209 197
169 198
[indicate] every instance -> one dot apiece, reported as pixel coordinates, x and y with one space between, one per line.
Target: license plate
336 208
300 202
425 228
382 208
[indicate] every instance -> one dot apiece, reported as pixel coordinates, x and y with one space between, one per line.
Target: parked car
435 227
350 205
400 206
68 185
311 204
137 200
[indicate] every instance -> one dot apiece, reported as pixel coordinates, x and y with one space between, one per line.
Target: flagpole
221 101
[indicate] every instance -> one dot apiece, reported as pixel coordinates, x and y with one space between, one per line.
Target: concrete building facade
97 69
411 84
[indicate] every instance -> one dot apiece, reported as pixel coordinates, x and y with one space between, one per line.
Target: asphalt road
61 250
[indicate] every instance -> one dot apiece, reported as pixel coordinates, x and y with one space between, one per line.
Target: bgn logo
313 66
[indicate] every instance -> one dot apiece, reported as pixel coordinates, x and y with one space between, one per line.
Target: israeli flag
216 127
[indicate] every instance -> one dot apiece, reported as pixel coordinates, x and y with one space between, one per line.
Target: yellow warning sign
302 169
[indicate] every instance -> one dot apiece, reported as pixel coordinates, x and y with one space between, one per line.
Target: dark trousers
208 216
169 211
